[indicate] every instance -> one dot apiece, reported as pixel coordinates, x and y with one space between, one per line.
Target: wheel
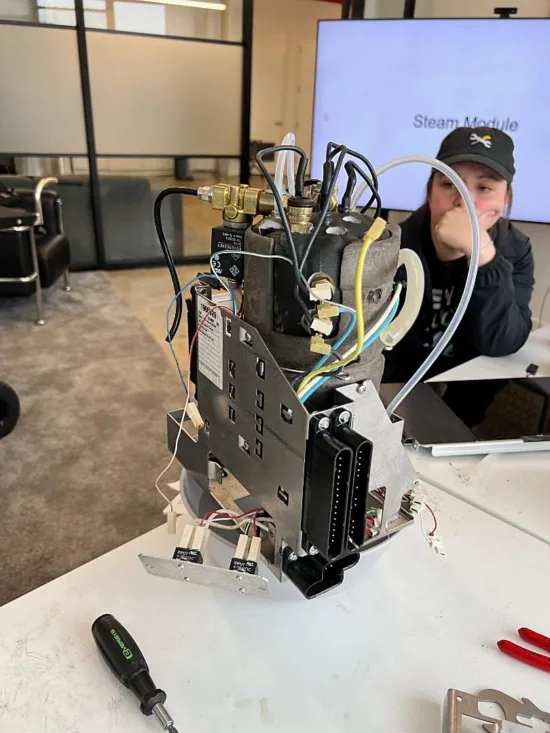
9 409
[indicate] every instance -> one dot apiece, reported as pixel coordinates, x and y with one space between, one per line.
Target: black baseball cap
486 145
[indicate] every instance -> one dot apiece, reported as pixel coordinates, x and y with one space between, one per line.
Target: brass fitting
237 203
299 217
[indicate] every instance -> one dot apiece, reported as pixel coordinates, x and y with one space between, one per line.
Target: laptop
513 422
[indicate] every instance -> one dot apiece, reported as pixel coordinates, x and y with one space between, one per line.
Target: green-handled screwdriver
126 661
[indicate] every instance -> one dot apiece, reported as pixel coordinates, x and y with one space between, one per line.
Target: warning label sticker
210 343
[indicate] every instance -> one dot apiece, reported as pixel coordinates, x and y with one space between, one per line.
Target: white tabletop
379 656
535 351
513 487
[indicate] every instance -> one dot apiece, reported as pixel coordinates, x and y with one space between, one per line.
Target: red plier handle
540 661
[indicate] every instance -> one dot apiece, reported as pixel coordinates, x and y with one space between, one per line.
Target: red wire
225 514
201 324
431 534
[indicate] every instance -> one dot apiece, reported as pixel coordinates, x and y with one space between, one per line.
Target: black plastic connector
362 451
327 491
313 575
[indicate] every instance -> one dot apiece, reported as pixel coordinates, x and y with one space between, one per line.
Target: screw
288 413
324 423
242 590
181 565
186 579
292 557
313 550
362 388
344 417
149 567
239 577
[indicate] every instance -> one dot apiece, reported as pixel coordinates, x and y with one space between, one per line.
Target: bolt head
361 388
242 590
344 417
292 557
313 550
324 423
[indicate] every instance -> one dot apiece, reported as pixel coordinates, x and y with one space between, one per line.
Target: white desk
378 656
535 351
512 487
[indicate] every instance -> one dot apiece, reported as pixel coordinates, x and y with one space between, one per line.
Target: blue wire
366 345
343 309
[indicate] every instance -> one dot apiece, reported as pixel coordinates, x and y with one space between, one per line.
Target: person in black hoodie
498 319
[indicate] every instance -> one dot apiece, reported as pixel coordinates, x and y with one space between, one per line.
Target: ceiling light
203 4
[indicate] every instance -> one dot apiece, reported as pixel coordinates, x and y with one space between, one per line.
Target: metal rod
246 97
95 197
39 303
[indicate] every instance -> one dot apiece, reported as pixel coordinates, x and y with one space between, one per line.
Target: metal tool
540 661
127 662
462 706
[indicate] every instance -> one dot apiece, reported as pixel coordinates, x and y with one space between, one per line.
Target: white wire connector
194 415
321 290
322 325
171 520
418 502
436 543
247 555
192 544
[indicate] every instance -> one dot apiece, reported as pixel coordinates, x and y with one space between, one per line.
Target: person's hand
453 236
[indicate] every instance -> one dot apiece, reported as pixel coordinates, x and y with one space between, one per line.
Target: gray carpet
77 474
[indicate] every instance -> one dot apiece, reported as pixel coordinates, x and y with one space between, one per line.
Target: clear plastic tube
413 299
472 270
286 157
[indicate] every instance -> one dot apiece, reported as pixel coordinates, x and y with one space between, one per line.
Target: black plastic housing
329 465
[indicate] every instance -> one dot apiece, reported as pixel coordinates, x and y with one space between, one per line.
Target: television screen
389 88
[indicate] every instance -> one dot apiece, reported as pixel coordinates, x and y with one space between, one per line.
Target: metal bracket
459 705
188 572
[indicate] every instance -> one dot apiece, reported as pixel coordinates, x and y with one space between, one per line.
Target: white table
535 351
512 487
379 656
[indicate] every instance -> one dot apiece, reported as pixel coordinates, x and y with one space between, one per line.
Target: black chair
34 251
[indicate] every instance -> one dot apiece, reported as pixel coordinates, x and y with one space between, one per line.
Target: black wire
322 214
332 149
282 213
184 191
311 182
302 165
352 180
370 184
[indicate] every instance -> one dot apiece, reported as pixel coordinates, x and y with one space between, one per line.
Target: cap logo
485 140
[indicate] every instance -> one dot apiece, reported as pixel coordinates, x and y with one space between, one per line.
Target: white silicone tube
285 158
413 299
472 270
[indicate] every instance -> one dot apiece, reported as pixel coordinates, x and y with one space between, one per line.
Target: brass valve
238 203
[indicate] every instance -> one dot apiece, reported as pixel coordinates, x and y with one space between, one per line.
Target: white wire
369 334
347 308
213 520
180 430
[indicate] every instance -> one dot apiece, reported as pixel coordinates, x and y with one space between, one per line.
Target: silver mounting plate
188 572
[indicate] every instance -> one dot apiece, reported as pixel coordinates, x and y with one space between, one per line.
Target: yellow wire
375 232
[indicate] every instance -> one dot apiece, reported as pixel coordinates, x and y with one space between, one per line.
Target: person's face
488 190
